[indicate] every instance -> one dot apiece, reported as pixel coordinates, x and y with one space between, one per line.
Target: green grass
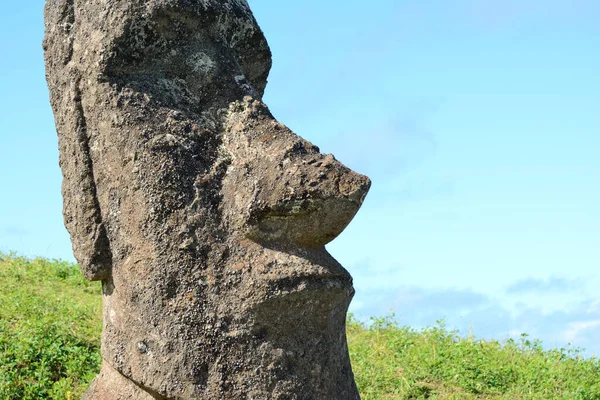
50 323
394 362
50 333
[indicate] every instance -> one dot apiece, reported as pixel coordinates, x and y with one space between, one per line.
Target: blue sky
478 122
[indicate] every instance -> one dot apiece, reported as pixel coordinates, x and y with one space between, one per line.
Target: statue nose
355 187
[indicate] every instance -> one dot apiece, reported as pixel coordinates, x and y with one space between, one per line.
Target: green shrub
49 329
394 362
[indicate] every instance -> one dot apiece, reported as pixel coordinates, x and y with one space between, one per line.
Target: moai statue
203 216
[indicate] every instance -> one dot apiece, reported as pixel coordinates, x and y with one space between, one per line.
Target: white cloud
594 307
578 323
550 285
576 329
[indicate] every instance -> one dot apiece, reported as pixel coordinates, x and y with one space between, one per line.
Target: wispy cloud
418 306
551 285
576 331
594 307
14 231
490 317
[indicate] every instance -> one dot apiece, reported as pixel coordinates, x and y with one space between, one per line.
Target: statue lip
310 283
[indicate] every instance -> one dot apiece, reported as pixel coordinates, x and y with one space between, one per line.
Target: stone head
203 216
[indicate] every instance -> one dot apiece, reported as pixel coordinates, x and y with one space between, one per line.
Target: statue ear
81 210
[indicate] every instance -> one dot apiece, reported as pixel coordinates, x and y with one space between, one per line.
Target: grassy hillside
50 323
393 362
50 333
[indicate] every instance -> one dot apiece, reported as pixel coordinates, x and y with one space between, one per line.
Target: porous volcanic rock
203 216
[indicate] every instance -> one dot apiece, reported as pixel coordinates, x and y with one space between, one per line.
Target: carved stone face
204 217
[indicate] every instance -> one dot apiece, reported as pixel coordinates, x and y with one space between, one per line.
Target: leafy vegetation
50 323
394 362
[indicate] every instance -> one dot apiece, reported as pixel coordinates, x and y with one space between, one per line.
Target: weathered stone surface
203 216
